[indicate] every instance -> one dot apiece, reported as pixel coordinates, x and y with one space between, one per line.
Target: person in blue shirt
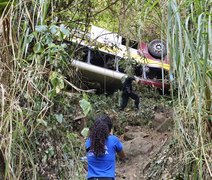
101 149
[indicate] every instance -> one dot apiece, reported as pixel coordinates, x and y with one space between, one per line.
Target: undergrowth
39 129
150 102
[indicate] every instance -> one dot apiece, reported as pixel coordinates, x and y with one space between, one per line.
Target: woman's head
99 133
105 119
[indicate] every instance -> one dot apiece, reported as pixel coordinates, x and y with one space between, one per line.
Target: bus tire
157 48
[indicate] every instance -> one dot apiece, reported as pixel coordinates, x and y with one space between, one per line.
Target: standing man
127 92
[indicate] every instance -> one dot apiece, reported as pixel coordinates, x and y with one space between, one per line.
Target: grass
35 139
190 51
34 114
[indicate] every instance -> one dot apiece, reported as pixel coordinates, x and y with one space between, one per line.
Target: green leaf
86 106
60 35
38 48
61 83
58 89
30 38
53 29
52 93
59 118
48 39
85 96
64 30
63 45
53 75
41 28
84 132
57 81
209 73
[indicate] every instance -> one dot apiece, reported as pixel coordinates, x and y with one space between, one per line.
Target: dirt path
141 145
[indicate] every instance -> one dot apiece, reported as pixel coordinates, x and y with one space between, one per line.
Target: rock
165 126
127 128
137 146
162 122
128 136
159 117
131 135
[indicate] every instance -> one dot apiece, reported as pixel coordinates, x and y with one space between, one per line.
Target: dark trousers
125 97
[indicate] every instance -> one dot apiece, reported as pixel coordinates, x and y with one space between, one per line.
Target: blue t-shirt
104 165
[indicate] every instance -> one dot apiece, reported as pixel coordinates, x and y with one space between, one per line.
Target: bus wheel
157 48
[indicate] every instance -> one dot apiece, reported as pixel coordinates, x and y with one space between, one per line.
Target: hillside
45 101
147 135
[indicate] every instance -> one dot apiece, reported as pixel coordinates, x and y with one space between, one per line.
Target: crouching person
101 149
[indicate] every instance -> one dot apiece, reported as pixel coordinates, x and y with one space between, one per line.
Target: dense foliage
40 100
189 37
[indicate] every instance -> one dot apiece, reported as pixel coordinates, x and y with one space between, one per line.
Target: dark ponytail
99 133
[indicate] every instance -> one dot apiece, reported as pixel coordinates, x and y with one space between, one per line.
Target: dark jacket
127 86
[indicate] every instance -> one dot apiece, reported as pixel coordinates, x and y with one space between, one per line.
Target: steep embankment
144 146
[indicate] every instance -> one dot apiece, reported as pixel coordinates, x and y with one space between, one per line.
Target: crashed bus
103 53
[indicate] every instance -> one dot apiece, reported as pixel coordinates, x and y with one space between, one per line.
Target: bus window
133 44
104 60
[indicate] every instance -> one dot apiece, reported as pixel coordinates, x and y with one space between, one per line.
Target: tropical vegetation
41 92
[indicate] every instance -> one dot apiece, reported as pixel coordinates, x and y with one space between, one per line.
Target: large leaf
41 28
57 81
53 29
30 38
64 30
86 106
38 48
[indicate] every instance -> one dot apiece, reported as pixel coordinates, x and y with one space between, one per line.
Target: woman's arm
122 155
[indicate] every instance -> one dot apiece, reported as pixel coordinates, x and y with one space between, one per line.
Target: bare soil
142 146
